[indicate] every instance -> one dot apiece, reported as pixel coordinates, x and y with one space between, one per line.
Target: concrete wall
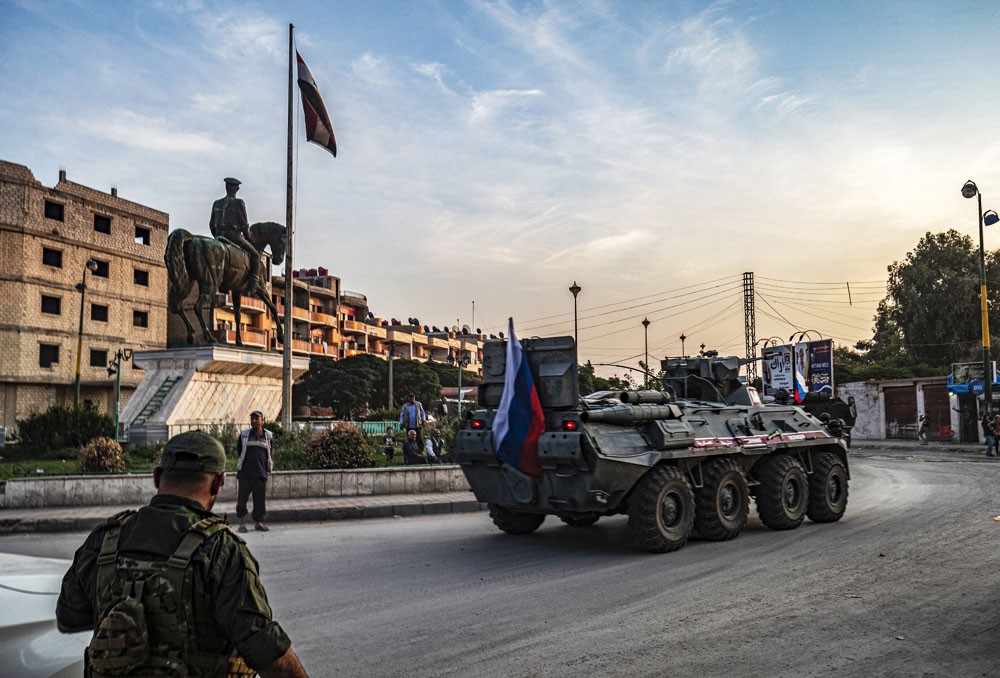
134 489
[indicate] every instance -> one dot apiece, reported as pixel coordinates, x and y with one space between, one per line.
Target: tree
348 385
448 375
410 376
931 311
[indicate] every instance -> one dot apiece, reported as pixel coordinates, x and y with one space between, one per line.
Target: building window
48 355
140 318
54 210
102 224
51 257
98 358
99 313
141 277
141 235
51 305
103 268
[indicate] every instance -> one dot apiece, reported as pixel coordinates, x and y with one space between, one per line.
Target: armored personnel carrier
678 461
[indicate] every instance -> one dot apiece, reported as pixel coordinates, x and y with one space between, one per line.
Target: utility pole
749 325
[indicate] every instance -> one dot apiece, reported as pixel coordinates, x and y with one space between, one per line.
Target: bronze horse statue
219 266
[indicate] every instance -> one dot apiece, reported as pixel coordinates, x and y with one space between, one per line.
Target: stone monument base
203 386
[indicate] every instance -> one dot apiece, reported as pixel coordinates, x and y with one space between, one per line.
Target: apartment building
47 238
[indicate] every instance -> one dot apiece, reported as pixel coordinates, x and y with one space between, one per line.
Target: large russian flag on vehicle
519 421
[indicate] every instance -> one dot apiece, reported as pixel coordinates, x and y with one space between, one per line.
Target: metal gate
900 412
938 410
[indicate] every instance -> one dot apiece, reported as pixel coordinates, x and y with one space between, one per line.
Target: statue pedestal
201 386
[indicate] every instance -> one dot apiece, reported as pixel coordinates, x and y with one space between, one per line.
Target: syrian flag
519 421
319 129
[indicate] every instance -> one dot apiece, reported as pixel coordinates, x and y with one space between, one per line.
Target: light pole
645 332
575 289
970 190
392 348
82 288
683 355
115 368
462 362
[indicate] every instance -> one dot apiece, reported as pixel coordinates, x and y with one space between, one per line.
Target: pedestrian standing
988 434
169 589
922 427
254 463
412 417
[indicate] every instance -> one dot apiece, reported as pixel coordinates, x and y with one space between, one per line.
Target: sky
491 154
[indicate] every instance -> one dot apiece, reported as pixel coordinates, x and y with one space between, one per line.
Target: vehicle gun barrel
639 397
629 414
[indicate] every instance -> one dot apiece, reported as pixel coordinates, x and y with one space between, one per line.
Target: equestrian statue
230 261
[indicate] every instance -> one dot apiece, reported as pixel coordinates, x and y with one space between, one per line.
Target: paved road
906 585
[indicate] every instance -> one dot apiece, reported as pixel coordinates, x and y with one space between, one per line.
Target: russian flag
519 421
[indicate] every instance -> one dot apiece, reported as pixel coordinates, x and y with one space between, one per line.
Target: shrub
101 455
60 427
225 434
289 445
343 446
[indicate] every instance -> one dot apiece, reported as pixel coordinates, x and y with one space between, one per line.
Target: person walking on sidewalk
254 463
175 573
922 428
987 425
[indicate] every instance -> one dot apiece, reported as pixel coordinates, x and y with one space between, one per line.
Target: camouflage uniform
228 601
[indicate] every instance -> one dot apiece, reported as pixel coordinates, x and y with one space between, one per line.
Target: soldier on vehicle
229 221
170 589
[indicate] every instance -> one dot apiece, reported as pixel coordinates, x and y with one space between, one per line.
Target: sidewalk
72 519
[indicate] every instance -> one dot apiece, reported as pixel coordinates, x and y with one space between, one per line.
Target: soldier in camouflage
170 589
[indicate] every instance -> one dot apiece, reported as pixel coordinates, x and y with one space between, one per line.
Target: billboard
805 367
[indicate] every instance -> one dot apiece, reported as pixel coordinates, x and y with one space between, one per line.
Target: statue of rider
229 221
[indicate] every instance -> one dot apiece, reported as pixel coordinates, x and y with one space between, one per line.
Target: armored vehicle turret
681 460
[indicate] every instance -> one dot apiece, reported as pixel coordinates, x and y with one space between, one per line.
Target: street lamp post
115 368
575 289
462 362
683 355
392 348
645 332
970 190
82 288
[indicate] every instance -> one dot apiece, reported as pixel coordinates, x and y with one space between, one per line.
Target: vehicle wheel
515 522
723 502
661 511
580 521
783 494
827 489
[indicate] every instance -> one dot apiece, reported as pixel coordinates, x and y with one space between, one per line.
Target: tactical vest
145 627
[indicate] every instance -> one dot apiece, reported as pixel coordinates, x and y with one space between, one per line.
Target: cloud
372 69
244 35
435 72
147 133
487 104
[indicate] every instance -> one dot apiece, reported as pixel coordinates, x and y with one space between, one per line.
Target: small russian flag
519 421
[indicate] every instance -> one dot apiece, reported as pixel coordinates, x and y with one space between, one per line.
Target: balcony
297 313
322 319
399 336
375 331
249 337
354 327
319 348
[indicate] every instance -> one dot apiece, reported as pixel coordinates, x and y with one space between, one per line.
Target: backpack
145 624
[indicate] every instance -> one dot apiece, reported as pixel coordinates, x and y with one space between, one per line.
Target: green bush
343 446
289 445
60 427
225 434
101 455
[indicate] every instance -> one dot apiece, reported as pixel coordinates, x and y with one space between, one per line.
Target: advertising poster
820 373
800 368
777 369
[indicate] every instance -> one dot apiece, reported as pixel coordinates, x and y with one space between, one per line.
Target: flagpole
286 363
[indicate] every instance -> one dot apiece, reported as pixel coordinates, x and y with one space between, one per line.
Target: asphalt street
905 585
